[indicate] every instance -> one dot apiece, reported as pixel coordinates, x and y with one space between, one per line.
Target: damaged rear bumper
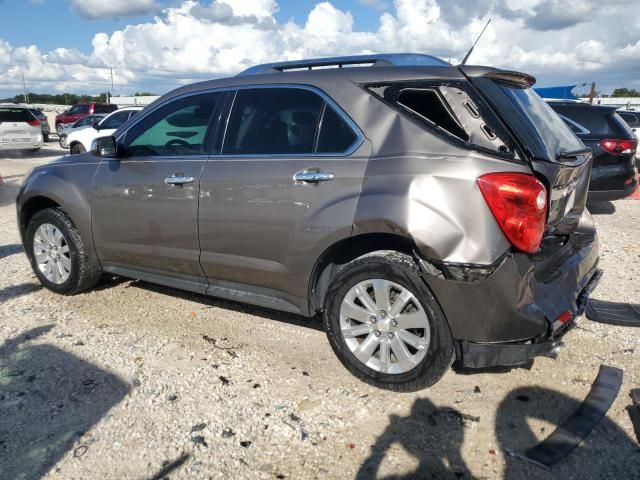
510 313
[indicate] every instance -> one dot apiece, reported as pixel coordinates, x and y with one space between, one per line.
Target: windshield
541 129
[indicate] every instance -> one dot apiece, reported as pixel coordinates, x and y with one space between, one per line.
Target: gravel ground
135 381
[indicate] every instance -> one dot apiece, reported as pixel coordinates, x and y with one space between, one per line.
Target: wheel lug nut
373 319
394 323
377 333
389 335
383 313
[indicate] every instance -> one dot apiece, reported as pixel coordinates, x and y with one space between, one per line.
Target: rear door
145 202
283 189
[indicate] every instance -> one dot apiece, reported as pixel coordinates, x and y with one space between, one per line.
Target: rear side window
15 115
176 129
104 108
630 118
285 121
115 120
451 110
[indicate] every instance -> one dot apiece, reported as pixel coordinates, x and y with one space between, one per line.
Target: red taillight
34 123
519 204
618 147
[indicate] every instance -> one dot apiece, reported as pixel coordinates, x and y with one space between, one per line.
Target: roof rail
374 60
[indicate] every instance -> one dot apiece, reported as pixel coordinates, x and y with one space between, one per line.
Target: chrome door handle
313 176
178 180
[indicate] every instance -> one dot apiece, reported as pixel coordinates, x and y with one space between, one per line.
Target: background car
632 118
44 123
81 110
84 122
79 141
19 129
613 145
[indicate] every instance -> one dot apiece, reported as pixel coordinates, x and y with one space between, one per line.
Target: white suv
19 129
79 141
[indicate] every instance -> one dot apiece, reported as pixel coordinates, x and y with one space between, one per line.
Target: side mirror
96 123
104 147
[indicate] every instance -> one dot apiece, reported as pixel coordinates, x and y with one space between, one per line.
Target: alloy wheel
385 326
51 253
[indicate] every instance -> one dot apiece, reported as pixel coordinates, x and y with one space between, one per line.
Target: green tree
625 92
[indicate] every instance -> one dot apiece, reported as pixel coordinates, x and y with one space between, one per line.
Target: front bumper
510 312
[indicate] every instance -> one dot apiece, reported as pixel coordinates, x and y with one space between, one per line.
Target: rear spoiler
509 76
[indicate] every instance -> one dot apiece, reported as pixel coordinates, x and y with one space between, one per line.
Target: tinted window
273 121
75 109
15 115
595 119
178 128
88 120
335 134
115 120
104 108
630 118
84 109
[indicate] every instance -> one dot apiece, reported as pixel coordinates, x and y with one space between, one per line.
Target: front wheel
77 149
57 253
385 325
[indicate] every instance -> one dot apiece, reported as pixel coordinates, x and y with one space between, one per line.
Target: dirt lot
134 381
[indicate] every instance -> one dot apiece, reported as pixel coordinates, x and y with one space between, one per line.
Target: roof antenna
466 57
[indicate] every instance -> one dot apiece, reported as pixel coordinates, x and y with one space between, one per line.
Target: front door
145 202
284 189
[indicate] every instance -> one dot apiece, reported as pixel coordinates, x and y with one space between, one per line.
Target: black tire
82 274
77 148
45 137
401 269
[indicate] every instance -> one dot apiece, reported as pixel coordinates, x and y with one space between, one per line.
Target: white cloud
207 39
95 9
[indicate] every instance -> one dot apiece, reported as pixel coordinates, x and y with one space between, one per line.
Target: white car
84 122
19 129
79 141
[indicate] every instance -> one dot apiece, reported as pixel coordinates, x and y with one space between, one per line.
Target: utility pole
111 95
24 87
592 93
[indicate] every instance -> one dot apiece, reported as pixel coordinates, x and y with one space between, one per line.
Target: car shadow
434 436
20 290
44 152
601 208
607 452
11 249
49 399
314 323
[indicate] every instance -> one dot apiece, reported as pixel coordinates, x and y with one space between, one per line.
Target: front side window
115 120
74 110
178 128
84 121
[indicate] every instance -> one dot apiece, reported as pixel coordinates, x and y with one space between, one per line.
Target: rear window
598 122
540 129
15 115
104 108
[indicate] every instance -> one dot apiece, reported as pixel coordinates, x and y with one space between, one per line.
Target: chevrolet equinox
431 213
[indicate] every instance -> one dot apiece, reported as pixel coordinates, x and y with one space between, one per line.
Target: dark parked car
613 144
81 110
431 212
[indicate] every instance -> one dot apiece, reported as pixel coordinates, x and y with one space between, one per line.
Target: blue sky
156 45
73 31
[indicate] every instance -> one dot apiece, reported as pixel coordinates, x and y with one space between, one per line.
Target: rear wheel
45 137
77 148
63 141
385 325
57 253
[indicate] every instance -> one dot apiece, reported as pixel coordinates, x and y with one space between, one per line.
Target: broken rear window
450 111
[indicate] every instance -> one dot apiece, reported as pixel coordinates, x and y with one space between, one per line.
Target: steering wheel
177 142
